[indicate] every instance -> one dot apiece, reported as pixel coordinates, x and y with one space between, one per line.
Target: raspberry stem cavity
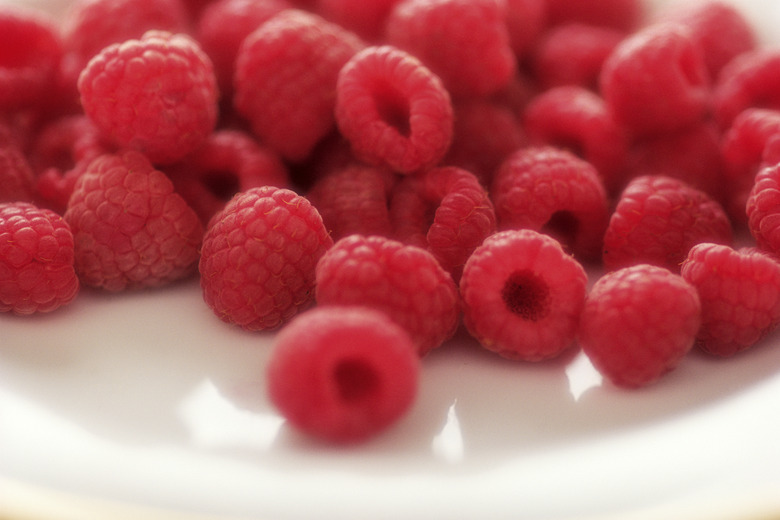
526 294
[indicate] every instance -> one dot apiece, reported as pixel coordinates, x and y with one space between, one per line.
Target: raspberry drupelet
523 295
763 210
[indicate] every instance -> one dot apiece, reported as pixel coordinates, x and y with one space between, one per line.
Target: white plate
147 399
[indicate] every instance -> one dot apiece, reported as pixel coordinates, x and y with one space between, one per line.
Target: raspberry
157 95
656 81
131 230
230 161
551 190
576 118
657 220
526 20
36 260
522 295
638 323
445 210
464 42
750 80
740 296
367 19
285 80
258 257
625 15
393 110
16 176
343 374
406 282
763 209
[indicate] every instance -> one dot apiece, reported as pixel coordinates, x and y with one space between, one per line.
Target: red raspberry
625 15
638 323
656 81
16 176
464 42
230 161
157 95
526 20
131 230
406 282
576 118
343 374
393 110
258 257
763 209
750 80
551 190
657 220
445 210
285 80
36 260
367 19
522 295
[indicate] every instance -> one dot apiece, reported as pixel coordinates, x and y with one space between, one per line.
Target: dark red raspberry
343 374
36 260
464 42
285 79
526 20
658 219
740 296
763 209
230 161
656 80
551 190
445 210
131 230
258 257
366 19
750 80
522 295
16 175
638 323
406 282
157 95
625 15
393 110
577 119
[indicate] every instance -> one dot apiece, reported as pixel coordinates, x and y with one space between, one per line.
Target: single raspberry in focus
343 374
522 295
750 80
157 95
406 282
258 257
16 175
36 260
638 323
130 229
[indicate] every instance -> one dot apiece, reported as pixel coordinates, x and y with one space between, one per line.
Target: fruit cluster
409 166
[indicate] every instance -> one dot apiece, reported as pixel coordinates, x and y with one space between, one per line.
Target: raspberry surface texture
258 257
763 210
638 323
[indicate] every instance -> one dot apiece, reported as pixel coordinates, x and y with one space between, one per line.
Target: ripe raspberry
343 374
36 260
552 191
638 323
445 210
625 15
763 209
393 110
657 220
750 80
740 296
522 295
366 19
464 42
285 80
16 176
131 230
230 161
526 20
157 95
406 282
258 257
656 81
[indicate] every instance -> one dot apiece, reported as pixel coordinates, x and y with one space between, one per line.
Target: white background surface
148 399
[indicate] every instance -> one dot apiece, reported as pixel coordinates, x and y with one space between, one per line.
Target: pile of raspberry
369 178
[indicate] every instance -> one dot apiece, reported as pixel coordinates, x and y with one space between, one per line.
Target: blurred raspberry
526 20
366 19
16 175
625 15
750 80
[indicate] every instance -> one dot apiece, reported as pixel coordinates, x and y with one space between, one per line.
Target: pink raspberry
157 95
366 19
36 260
625 15
552 191
16 175
393 110
258 257
763 209
445 210
750 80
464 42
406 282
656 80
343 374
131 230
526 20
522 295
285 80
658 219
638 323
